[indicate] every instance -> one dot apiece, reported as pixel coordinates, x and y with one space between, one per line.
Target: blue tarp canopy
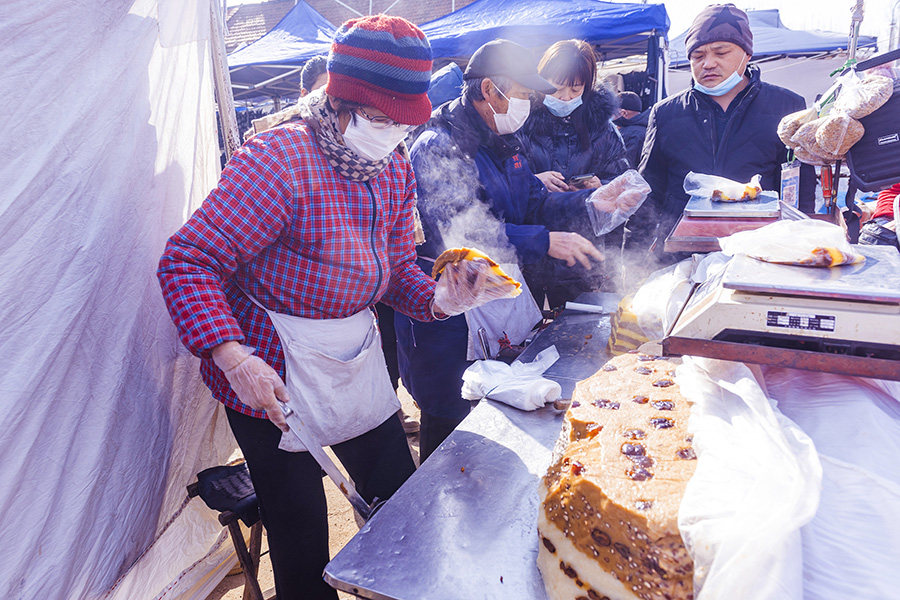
271 65
616 29
772 38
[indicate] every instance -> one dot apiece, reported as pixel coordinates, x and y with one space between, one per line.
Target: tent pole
222 83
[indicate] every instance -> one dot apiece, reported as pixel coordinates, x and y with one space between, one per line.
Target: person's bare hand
553 181
572 247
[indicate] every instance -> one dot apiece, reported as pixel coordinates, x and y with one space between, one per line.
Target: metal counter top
464 525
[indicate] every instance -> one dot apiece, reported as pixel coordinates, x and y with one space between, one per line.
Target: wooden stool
228 489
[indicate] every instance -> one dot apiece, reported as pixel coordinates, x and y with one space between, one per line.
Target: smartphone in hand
578 181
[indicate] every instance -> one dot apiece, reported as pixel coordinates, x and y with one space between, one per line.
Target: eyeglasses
381 121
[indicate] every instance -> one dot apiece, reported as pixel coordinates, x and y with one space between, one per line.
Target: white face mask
515 116
366 141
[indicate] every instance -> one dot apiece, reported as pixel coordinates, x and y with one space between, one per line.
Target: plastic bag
807 148
789 125
660 299
519 384
720 189
837 132
469 278
861 97
757 484
612 204
807 243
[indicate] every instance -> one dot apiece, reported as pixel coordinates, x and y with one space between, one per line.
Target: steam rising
451 185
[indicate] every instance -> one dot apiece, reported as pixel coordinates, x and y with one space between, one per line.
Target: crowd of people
275 281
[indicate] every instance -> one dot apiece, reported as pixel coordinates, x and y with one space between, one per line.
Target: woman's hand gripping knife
256 383
468 279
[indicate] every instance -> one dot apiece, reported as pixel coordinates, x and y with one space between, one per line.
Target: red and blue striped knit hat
385 62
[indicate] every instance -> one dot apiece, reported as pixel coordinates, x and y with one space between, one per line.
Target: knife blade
298 427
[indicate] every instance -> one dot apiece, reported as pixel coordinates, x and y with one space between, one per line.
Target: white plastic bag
720 189
756 485
661 297
808 243
519 385
612 204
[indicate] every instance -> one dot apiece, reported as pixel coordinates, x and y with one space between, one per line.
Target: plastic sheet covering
850 548
109 143
797 486
757 483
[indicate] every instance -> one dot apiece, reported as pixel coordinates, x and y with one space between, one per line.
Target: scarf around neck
321 118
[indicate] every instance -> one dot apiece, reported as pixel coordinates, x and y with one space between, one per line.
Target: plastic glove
468 284
256 383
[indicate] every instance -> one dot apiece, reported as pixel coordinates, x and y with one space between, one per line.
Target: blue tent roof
772 38
300 35
539 23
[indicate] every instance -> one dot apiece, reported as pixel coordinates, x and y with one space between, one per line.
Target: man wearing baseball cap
725 125
476 189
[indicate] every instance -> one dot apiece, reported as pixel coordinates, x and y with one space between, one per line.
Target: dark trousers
292 498
432 431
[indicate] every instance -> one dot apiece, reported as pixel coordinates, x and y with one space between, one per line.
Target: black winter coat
550 143
681 137
633 131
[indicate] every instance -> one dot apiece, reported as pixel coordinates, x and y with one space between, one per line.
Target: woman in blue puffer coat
570 133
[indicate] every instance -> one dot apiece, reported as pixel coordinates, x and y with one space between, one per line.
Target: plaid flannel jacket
283 225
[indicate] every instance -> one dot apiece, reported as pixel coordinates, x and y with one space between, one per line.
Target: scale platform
765 206
839 320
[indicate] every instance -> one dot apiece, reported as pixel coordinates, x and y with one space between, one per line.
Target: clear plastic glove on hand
256 383
613 204
468 283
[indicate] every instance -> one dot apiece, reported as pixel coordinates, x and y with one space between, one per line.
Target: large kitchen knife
298 428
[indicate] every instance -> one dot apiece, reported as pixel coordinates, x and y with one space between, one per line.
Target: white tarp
109 141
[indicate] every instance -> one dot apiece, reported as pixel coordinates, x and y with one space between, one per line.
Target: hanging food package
837 132
861 97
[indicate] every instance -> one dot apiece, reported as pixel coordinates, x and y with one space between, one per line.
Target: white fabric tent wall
109 143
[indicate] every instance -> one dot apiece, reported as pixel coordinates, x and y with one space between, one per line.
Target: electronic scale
838 320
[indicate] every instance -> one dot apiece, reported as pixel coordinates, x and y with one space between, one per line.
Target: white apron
335 374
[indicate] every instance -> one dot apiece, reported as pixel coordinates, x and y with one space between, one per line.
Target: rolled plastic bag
519 384
721 189
612 204
807 243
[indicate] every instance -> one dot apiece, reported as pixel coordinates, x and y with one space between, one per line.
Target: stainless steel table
464 525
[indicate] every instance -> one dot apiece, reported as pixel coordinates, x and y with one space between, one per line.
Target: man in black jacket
632 124
724 125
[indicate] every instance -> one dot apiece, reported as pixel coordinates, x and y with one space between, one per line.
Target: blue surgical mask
562 108
723 88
